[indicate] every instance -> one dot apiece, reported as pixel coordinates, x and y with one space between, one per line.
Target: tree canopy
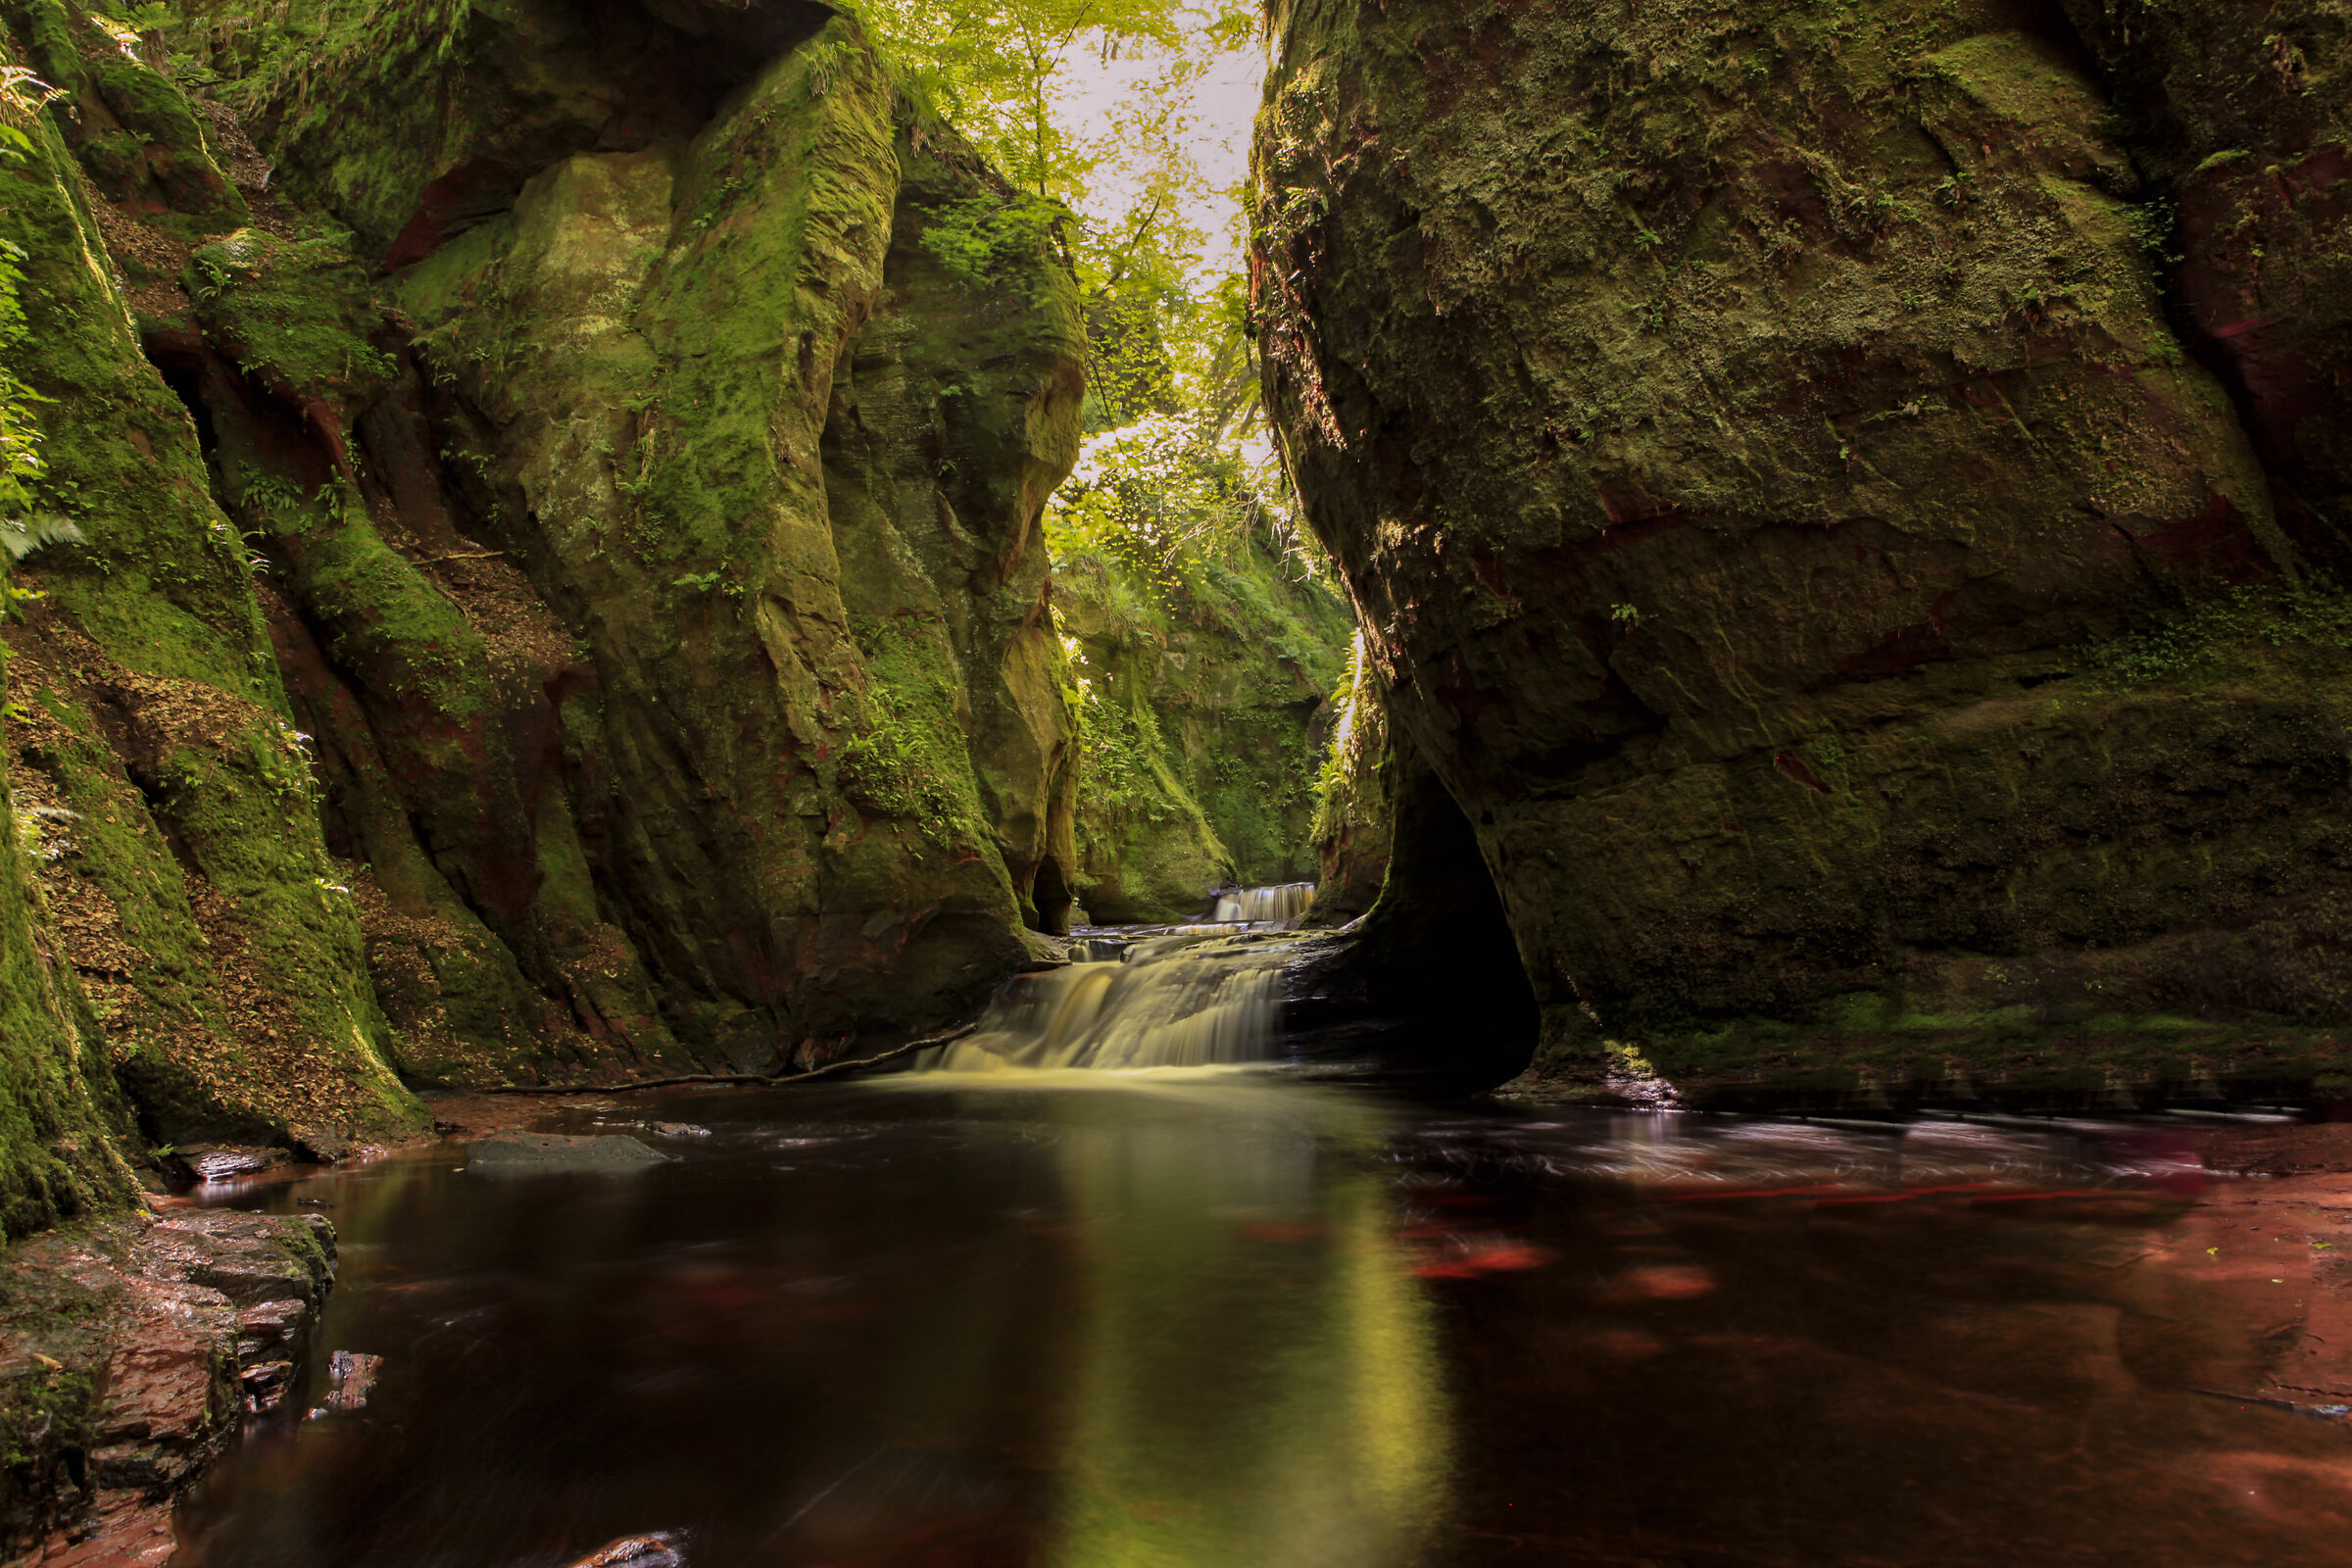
1092 109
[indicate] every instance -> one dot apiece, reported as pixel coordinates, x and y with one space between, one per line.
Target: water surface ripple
1191 1319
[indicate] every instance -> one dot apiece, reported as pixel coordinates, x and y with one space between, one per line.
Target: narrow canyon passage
1205 1319
1175 783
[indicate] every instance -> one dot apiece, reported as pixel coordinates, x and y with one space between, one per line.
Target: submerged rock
534 1154
351 1378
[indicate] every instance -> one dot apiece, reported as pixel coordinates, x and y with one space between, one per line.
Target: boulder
1860 646
546 1153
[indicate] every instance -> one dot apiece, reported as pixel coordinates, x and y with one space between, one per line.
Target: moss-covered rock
1705 402
1352 826
62 1129
2239 116
1203 702
144 144
216 941
646 523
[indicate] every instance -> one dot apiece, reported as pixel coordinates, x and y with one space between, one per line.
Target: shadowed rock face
643 553
1739 427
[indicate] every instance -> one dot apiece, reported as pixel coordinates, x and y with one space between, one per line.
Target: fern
22 536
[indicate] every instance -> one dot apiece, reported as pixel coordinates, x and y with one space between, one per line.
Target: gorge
1777 557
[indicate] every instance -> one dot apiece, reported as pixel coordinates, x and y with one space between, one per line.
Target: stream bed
1214 1318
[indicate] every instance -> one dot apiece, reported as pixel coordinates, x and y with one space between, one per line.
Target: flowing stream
1170 996
1177 1002
1281 905
1199 1319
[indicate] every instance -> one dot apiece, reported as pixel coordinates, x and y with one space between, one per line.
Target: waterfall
1181 1001
1279 906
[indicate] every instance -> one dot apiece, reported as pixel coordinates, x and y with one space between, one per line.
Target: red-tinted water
1227 1321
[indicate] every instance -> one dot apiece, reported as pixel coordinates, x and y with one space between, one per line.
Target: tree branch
742 1079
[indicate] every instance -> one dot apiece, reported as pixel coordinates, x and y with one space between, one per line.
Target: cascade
1178 1001
1277 906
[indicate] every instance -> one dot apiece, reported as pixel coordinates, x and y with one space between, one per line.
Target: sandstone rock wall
1841 498
1206 707
562 593
162 790
136 1351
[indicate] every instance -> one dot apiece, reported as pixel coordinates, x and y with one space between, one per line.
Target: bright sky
1218 134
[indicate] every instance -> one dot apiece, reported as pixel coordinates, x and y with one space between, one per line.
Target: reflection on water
1127 1321
1096 1322
1255 1368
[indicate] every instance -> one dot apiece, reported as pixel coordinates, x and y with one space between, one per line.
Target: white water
1176 1002
1278 906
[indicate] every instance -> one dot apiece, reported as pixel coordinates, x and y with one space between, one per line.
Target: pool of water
1097 1321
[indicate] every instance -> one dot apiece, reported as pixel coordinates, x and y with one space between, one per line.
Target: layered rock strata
1842 499
131 1354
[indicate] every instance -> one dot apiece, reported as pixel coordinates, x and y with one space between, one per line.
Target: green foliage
2198 642
979 240
993 69
299 313
1357 740
1123 760
301 50
1115 186
2155 224
21 531
1164 499
21 537
907 760
1205 635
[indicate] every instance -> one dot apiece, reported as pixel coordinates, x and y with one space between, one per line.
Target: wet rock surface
131 1354
351 1377
663 1550
220 1162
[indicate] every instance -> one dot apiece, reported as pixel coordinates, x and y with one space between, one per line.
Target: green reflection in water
1256 1375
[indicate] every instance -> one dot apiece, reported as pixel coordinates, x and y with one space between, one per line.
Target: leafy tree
1011 75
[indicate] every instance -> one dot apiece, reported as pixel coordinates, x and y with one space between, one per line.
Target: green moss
241 1002
407 642
1203 717
60 1116
160 581
297 315
909 760
130 126
2209 639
